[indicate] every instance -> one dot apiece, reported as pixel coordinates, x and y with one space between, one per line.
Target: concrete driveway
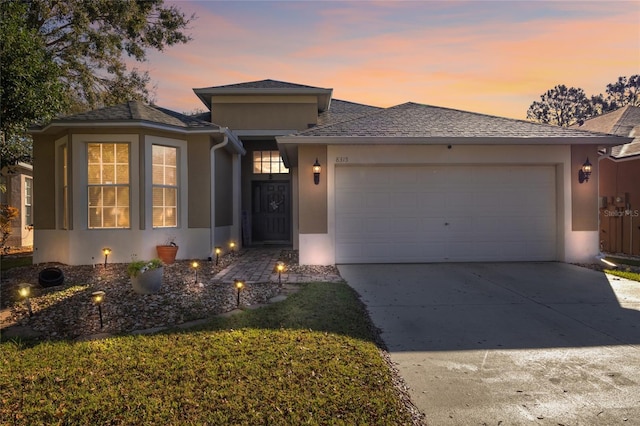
509 343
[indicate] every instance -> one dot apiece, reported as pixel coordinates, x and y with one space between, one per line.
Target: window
28 198
108 179
268 162
165 186
65 188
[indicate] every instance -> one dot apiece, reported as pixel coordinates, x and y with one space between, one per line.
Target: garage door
445 213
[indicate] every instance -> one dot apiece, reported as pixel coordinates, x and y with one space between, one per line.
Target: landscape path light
107 252
232 245
239 285
24 290
97 297
195 265
218 251
280 269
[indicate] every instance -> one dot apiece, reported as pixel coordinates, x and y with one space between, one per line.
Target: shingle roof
344 110
263 84
624 121
265 87
137 111
418 120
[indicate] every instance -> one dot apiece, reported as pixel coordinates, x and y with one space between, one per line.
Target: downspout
212 159
606 154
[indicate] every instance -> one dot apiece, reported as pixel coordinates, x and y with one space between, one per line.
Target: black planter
51 277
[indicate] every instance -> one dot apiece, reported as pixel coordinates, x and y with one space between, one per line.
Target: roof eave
439 140
324 95
124 123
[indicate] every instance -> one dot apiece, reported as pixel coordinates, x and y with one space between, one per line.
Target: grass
7 263
624 274
311 359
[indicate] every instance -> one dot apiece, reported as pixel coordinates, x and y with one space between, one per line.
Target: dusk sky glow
491 57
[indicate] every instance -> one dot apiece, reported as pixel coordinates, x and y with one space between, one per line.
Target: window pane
122 175
122 153
108 174
158 197
157 175
123 218
170 177
158 216
95 218
95 196
123 196
171 158
93 153
108 154
109 218
170 218
257 168
170 197
94 174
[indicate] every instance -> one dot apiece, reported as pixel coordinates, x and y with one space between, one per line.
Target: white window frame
28 201
115 185
164 185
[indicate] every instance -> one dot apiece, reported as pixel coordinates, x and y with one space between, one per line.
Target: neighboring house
18 181
411 183
619 181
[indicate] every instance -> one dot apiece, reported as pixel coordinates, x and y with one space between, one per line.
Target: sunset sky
492 57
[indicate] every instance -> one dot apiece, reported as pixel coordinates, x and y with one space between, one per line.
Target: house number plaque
342 159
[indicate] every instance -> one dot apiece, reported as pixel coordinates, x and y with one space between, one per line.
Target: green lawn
624 274
311 359
8 262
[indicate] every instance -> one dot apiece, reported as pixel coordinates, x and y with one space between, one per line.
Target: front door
271 218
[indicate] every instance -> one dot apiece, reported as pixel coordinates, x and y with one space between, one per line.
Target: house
619 181
283 163
18 183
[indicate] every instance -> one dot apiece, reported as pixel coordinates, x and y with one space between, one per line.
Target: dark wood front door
271 218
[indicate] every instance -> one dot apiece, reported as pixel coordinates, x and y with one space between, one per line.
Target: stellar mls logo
621 213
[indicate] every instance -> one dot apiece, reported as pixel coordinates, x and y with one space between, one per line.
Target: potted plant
167 251
146 276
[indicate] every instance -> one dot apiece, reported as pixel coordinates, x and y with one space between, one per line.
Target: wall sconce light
280 269
107 252
195 265
232 245
97 297
317 168
584 172
239 285
218 251
24 290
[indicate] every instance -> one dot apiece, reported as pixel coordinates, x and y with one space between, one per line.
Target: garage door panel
445 213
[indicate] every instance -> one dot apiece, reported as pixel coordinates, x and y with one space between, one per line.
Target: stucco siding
312 198
224 189
265 116
584 196
199 188
44 182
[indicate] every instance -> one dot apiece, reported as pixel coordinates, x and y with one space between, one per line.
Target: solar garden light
239 285
24 290
107 252
195 265
97 297
280 269
218 251
232 245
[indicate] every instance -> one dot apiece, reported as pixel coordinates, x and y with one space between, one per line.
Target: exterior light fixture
239 285
195 265
107 252
584 172
97 297
317 168
232 245
280 269
24 290
218 251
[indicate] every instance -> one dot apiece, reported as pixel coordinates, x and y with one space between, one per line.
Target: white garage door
404 214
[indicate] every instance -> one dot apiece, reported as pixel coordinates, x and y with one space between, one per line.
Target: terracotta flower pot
167 253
